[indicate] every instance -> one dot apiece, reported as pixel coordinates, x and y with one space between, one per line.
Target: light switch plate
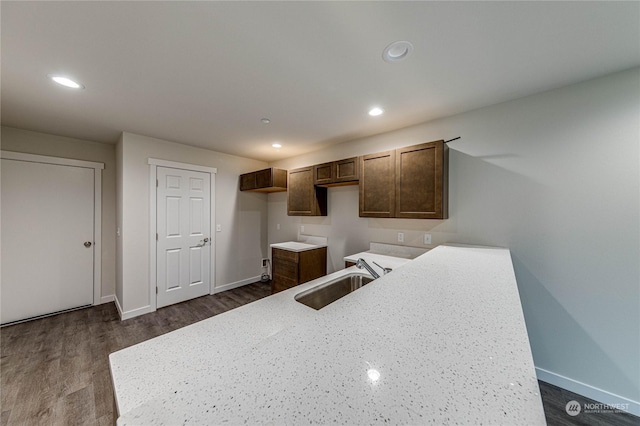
278 226
218 228
401 237
427 238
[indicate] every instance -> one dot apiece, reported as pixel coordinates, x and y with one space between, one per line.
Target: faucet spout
361 263
385 271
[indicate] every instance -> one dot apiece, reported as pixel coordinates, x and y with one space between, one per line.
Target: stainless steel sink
320 296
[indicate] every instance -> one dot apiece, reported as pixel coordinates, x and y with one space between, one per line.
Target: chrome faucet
361 263
384 270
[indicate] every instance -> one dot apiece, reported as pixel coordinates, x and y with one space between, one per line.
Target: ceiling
205 73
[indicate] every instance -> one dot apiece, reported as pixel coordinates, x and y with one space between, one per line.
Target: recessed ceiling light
65 81
375 111
397 51
276 145
265 121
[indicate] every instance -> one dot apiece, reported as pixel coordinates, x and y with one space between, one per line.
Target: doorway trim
97 205
154 163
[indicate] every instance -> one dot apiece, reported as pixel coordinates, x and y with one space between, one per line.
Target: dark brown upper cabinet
421 181
267 180
378 184
409 182
303 198
337 173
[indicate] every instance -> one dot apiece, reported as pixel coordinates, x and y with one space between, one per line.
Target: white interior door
184 235
47 217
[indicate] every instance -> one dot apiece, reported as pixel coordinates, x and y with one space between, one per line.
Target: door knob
87 244
206 240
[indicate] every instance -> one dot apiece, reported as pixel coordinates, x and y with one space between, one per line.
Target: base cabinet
293 268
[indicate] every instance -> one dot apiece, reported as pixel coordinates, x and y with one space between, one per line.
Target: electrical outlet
401 237
218 228
264 262
302 229
427 238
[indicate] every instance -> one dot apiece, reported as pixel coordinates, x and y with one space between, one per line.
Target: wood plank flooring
55 371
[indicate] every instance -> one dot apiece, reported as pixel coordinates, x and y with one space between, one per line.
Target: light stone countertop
440 340
297 246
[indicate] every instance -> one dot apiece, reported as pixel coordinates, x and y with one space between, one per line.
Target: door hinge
156 236
156 290
156 183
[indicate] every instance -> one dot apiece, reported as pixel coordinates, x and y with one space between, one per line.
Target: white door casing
48 214
183 249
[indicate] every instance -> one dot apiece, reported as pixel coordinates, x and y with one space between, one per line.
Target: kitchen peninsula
441 340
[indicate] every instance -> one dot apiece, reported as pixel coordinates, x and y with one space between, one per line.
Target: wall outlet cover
302 228
218 228
427 238
401 237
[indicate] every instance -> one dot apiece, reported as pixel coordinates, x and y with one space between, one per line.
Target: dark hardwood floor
55 371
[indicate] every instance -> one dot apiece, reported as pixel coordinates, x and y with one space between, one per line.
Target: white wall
26 141
240 246
119 210
556 178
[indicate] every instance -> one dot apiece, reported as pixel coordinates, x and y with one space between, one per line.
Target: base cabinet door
293 268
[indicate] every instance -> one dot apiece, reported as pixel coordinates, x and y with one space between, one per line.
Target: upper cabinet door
347 170
377 185
337 173
303 198
421 181
247 181
264 178
324 173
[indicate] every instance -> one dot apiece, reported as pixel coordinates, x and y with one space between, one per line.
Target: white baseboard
118 307
132 313
587 390
235 284
107 299
146 309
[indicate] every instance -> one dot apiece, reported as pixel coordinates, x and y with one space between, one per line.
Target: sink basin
320 296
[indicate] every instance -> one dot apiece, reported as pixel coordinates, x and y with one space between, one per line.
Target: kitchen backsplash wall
555 178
